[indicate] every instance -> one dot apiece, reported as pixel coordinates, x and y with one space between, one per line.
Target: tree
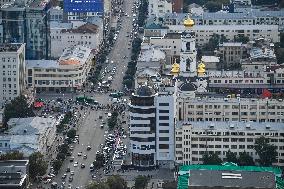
212 159
170 185
71 133
116 182
57 165
267 153
231 157
98 185
64 148
37 165
17 108
214 42
61 156
15 155
141 182
241 38
213 6
245 159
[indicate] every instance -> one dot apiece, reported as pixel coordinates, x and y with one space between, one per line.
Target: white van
109 115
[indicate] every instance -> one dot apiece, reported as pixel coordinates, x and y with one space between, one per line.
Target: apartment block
159 7
194 139
12 69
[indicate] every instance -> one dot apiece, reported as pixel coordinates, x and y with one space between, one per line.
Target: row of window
251 107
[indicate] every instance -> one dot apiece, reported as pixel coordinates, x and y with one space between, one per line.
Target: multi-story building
231 53
12 69
15 174
160 7
194 139
67 73
205 32
247 81
55 15
142 113
178 6
64 35
230 109
27 22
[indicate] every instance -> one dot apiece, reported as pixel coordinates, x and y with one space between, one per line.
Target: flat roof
75 55
10 47
234 126
14 163
42 64
231 179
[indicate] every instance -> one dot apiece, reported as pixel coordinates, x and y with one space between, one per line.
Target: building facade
12 77
231 109
194 139
160 7
68 73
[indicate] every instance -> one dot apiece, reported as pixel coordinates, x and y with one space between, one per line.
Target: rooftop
184 178
75 55
152 54
60 25
210 59
38 4
86 28
234 125
231 44
10 47
42 64
231 179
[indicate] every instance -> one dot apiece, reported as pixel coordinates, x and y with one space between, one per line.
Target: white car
79 153
76 164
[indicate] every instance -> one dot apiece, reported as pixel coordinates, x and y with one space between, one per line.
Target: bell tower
188 55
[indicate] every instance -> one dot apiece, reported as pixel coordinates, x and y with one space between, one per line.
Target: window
164 131
163 117
163 104
163 111
163 146
163 138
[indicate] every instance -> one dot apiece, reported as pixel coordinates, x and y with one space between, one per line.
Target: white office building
70 71
194 139
64 35
12 71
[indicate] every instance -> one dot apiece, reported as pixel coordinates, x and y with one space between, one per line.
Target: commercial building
230 109
64 35
194 139
28 135
27 22
14 174
229 175
68 73
211 62
205 32
247 81
12 69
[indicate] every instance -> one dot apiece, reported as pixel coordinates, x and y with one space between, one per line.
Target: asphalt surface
89 131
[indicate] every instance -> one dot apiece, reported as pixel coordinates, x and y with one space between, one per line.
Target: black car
68 170
83 166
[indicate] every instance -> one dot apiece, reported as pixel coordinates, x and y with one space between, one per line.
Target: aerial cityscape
141 94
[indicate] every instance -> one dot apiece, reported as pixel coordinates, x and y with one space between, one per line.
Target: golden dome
175 69
188 22
201 69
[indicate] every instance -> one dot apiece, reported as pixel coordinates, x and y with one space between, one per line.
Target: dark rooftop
86 28
173 36
231 179
145 91
10 47
187 87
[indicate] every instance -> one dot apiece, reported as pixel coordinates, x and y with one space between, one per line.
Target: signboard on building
82 6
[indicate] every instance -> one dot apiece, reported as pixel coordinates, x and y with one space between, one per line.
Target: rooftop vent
232 126
267 126
248 126
211 125
231 176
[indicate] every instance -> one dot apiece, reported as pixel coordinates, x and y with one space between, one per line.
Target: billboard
82 6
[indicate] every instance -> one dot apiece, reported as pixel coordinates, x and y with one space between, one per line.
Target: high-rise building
27 22
12 69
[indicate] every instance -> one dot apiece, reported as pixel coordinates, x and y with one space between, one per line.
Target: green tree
267 152
37 165
15 155
57 165
64 148
17 108
245 159
212 159
98 185
71 133
231 157
213 6
61 156
241 38
214 42
116 182
141 182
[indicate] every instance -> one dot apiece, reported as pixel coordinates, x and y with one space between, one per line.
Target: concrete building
64 35
231 53
211 62
14 174
230 109
194 139
160 7
142 114
205 32
28 135
67 73
55 15
177 6
12 77
247 81
195 9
